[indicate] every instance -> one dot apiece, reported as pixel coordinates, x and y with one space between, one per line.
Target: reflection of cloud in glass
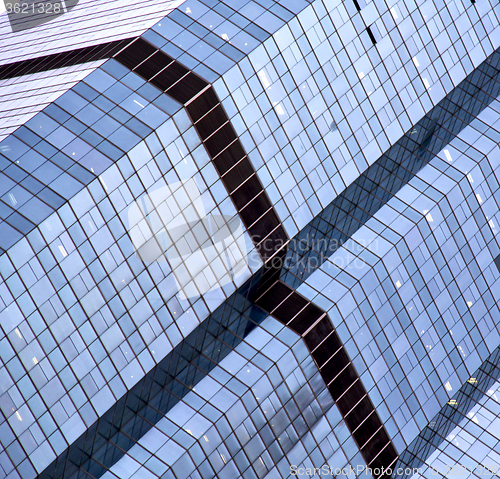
26 14
204 251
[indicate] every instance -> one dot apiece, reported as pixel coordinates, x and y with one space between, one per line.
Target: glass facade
249 239
463 436
82 25
426 280
265 401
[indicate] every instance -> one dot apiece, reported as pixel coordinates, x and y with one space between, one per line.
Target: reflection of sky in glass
204 251
471 445
260 394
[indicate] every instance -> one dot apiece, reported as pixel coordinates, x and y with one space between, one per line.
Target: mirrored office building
249 238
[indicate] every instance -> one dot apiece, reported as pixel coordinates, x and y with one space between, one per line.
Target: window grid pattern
463 436
322 67
89 23
210 121
37 91
336 369
414 293
263 408
396 167
130 418
51 158
92 318
9 266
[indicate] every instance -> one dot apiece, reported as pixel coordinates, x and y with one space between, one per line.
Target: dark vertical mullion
202 104
243 185
351 397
